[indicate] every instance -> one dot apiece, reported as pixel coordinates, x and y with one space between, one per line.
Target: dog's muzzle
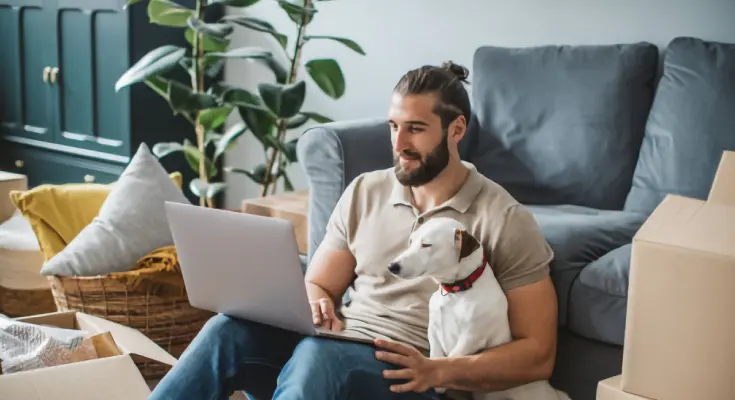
394 268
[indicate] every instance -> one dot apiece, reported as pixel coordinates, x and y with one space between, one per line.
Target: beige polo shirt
374 218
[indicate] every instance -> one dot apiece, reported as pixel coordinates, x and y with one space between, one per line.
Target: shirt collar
462 200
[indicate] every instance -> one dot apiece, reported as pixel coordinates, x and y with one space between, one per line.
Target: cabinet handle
88 178
19 163
46 71
54 72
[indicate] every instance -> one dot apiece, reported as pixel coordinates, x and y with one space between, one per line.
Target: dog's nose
394 268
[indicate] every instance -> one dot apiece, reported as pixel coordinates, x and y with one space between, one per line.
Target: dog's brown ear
467 243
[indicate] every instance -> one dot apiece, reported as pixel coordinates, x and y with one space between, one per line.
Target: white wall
399 35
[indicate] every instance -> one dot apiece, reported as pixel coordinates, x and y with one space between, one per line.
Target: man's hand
419 370
323 314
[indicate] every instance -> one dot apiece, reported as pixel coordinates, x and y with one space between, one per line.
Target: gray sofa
590 138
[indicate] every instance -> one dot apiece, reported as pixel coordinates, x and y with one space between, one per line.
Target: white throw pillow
131 223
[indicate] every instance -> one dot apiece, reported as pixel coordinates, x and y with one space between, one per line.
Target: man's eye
425 244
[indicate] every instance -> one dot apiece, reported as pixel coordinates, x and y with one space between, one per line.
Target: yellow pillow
57 213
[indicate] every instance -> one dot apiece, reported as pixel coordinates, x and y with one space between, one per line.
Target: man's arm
330 273
332 267
532 311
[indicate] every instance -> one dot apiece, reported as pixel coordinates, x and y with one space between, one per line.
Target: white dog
469 311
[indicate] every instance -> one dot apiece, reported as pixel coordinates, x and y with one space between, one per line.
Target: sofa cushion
599 298
579 236
563 124
692 121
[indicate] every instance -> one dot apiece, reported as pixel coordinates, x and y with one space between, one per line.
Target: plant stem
282 126
198 86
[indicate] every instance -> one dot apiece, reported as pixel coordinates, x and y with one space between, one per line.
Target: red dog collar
466 283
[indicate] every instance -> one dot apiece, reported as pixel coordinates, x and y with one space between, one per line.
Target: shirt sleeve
521 255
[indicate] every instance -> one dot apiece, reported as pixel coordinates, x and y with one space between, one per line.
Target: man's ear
466 242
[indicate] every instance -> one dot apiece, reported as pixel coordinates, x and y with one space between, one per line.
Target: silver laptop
246 266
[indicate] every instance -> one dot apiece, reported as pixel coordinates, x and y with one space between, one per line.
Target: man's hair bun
457 70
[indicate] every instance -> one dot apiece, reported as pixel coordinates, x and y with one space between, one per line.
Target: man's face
420 146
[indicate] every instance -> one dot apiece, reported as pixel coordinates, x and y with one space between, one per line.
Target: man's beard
431 166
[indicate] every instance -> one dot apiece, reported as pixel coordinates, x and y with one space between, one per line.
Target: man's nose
400 141
394 268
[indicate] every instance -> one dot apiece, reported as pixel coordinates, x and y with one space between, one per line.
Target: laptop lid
242 265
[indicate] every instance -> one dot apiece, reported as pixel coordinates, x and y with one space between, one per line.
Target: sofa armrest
332 155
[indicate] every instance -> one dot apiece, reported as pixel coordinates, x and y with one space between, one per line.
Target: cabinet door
26 39
92 52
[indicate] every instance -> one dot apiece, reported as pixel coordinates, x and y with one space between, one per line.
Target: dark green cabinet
61 120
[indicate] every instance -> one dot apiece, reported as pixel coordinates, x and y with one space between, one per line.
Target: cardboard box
9 181
610 389
680 329
113 377
293 206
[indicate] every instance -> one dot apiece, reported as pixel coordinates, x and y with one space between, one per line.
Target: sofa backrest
563 124
692 121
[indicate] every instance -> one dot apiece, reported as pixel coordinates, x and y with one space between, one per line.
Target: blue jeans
230 354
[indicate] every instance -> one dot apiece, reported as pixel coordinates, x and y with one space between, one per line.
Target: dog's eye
425 244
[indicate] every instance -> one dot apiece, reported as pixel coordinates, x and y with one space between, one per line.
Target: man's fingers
326 308
394 346
316 313
392 358
406 387
405 373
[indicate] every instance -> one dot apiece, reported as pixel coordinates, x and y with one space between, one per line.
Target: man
371 223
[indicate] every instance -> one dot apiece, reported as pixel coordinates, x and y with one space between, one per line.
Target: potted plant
268 114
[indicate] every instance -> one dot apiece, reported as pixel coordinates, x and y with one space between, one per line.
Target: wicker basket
150 298
15 303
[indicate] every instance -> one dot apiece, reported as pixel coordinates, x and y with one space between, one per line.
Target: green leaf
217 30
155 62
168 13
163 149
211 43
289 150
207 190
211 137
347 42
158 85
317 117
234 3
287 185
327 74
258 25
261 123
129 3
252 111
193 157
212 118
257 54
182 99
214 68
297 13
229 138
297 121
257 174
283 100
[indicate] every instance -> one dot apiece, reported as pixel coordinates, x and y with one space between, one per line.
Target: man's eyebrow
417 122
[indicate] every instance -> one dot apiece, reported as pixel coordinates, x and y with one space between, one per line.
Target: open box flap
114 378
691 224
61 319
128 339
723 186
